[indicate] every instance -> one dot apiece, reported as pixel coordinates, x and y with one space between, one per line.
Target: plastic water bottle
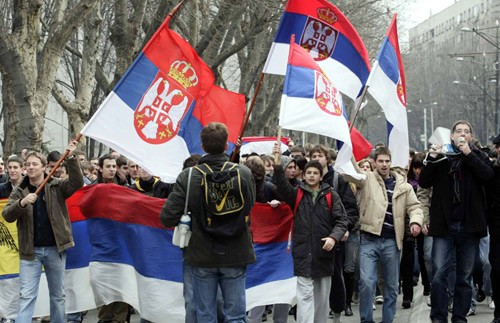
182 232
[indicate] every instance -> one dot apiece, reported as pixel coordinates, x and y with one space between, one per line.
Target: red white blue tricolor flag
333 42
310 102
387 86
155 113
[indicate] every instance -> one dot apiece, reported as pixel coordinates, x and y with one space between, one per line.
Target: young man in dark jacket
317 229
44 232
214 262
342 280
457 217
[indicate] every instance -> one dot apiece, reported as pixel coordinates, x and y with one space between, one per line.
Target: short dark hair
301 162
256 165
53 156
103 158
191 161
297 149
320 149
121 161
214 138
382 151
314 164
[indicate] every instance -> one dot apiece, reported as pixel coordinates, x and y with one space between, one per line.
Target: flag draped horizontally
311 103
123 253
155 113
387 86
330 38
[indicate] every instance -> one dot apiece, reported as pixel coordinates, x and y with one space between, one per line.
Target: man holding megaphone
457 175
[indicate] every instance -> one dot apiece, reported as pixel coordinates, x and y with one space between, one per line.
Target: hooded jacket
313 221
203 250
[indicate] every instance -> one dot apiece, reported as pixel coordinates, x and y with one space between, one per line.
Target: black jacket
493 195
203 249
436 174
347 197
155 189
312 222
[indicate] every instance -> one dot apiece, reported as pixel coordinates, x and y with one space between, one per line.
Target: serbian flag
155 113
329 37
311 103
261 145
387 86
361 147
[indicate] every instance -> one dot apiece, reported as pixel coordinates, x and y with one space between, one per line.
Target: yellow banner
9 252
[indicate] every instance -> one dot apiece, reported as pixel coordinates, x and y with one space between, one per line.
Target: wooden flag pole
277 154
53 170
247 116
358 106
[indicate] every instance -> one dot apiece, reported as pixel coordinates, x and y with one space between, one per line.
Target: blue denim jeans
188 292
75 317
375 250
463 247
231 281
29 279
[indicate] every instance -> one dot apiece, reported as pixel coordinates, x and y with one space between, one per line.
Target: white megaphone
442 136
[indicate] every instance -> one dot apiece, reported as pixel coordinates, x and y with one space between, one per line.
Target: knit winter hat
285 161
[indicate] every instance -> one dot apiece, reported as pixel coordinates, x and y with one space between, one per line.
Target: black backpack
223 200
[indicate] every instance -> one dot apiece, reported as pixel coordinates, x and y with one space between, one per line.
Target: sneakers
379 299
355 298
491 305
374 307
336 317
471 312
348 310
406 304
480 295
428 301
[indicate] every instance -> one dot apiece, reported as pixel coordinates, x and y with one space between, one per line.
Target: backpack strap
300 194
336 181
329 197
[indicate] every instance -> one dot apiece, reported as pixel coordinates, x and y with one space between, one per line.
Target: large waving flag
155 113
311 103
329 37
387 86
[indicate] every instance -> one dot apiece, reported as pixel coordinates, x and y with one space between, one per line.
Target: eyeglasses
464 131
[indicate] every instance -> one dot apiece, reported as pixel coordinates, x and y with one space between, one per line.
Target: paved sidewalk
418 313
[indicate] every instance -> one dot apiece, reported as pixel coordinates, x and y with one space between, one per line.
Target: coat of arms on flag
327 96
319 36
165 103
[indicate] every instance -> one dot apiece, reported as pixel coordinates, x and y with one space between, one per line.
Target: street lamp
496 43
431 106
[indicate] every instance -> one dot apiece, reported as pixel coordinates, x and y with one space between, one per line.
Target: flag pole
53 170
278 142
357 106
247 116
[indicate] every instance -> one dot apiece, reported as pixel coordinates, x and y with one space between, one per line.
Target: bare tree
30 51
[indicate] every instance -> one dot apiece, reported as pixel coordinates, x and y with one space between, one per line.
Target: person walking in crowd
320 223
44 232
215 261
385 200
457 218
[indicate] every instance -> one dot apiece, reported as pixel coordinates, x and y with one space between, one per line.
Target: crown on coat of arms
327 15
184 73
